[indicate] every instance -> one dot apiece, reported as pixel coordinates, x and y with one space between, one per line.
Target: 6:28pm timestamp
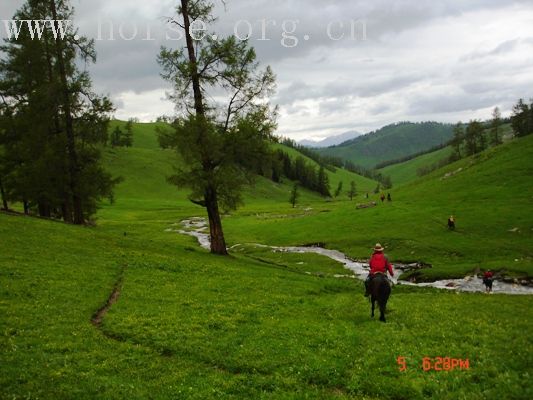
437 364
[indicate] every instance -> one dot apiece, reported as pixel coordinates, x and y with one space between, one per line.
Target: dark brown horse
379 291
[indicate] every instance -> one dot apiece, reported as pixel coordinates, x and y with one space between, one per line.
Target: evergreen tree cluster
332 162
356 169
328 162
468 140
52 125
477 136
522 118
120 138
299 170
472 138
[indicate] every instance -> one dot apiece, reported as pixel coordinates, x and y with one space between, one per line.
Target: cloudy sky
348 65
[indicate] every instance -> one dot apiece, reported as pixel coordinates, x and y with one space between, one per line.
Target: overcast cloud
420 60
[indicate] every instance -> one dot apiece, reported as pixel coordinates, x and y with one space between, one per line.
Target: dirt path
98 316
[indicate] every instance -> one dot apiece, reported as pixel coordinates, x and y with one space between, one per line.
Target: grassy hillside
407 171
258 324
145 167
362 183
404 172
489 197
391 142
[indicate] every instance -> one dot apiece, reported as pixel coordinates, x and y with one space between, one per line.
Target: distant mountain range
330 141
391 142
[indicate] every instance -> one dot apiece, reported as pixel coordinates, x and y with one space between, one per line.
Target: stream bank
197 227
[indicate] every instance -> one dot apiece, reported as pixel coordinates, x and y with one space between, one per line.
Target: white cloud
146 106
423 59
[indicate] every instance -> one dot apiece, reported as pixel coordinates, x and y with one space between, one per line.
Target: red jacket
380 263
488 274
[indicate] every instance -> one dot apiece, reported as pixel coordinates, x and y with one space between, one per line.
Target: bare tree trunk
4 198
69 127
218 244
198 102
65 210
57 124
44 209
26 207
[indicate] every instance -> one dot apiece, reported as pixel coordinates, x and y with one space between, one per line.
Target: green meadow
489 194
408 171
258 324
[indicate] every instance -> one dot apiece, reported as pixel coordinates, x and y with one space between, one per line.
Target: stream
197 227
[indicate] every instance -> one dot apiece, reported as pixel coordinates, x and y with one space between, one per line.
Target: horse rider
451 223
379 264
488 277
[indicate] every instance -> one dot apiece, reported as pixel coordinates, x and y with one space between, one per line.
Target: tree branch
198 202
171 20
229 112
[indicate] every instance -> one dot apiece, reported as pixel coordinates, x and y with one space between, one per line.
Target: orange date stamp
437 364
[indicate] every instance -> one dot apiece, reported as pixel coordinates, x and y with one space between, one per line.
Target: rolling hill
406 171
391 142
145 167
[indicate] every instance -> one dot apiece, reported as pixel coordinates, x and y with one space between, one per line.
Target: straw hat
378 247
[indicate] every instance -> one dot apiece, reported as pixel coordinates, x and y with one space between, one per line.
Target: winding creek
197 227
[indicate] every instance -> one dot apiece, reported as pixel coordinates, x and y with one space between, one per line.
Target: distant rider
488 277
451 223
379 264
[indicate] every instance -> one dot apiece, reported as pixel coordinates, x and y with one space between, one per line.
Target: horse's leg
382 306
373 300
383 303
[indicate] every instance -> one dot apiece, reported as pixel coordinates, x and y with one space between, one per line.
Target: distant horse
379 291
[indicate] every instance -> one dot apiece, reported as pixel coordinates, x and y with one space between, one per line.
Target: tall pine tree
474 131
323 182
352 191
522 118
56 123
219 141
495 123
457 140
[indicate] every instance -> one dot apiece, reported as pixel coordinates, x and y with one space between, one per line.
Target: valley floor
185 324
191 325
